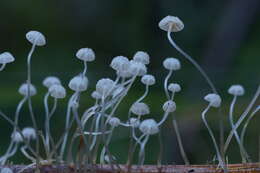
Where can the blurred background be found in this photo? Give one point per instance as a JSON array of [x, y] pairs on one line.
[[223, 36]]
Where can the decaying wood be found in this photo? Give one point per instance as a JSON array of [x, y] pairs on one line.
[[233, 168]]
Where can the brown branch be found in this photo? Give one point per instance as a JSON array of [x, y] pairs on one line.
[[233, 168]]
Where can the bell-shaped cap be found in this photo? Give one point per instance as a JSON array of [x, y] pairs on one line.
[[35, 37], [6, 58]]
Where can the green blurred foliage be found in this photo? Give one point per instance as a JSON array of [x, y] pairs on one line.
[[119, 27]]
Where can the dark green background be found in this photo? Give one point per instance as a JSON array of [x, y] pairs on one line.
[[122, 27]]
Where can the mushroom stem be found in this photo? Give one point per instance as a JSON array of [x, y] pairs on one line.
[[141, 156], [2, 67], [243, 153], [251, 116], [67, 128], [183, 154], [30, 101], [242, 117], [221, 162], [166, 84], [191, 60], [85, 68]]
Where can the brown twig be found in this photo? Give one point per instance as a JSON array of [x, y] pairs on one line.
[[233, 168]]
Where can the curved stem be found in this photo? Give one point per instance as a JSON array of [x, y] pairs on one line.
[[242, 117], [141, 156], [246, 124], [166, 114], [183, 154], [144, 95], [2, 67], [47, 122], [191, 60], [30, 101], [231, 121], [65, 137], [23, 150], [166, 84], [85, 68], [221, 162]]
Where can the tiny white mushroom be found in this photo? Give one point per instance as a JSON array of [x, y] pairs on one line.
[[120, 63], [29, 133], [140, 109], [17, 137], [236, 90], [35, 37], [169, 106], [142, 57], [51, 80], [79, 83], [137, 68], [23, 90], [149, 127], [174, 87], [134, 122], [114, 122], [86, 54], [57, 91], [213, 99], [148, 79], [96, 95], [105, 86], [172, 64], [6, 57], [171, 23]]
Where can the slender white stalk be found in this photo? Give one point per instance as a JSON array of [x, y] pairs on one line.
[[47, 121], [251, 116], [144, 95], [10, 154], [191, 60], [231, 121], [65, 137], [242, 117], [221, 162], [166, 84], [85, 68], [30, 100], [183, 154], [166, 114], [28, 156], [141, 156], [2, 67]]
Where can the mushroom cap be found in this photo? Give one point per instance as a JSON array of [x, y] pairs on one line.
[[6, 57], [79, 83], [119, 63], [137, 68], [172, 22], [213, 99], [105, 87], [169, 106], [96, 95], [142, 57], [17, 137], [174, 87], [23, 90], [86, 54], [148, 79], [135, 122], [172, 64], [140, 108], [149, 127], [236, 90], [35, 37], [114, 122], [57, 91], [51, 80], [29, 133]]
